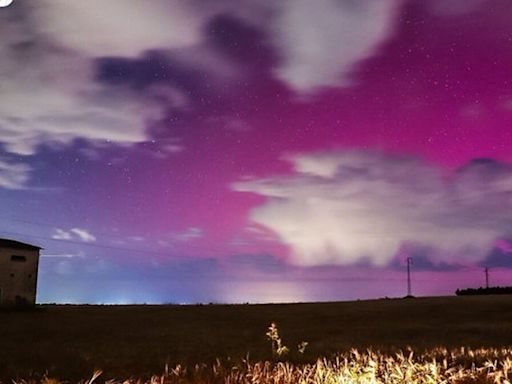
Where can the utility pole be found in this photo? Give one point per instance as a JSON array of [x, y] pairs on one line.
[[409, 262], [486, 277]]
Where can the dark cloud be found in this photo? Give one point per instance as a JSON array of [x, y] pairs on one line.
[[246, 44], [497, 258], [485, 168], [423, 260], [153, 67]]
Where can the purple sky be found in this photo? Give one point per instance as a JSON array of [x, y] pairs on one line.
[[255, 151]]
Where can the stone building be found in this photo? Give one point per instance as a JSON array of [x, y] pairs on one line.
[[18, 272]]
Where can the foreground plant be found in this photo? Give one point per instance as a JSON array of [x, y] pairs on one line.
[[440, 365], [278, 348]]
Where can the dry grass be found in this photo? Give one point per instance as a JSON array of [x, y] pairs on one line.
[[71, 342], [458, 366]]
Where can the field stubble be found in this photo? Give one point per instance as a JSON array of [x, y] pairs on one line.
[[70, 342]]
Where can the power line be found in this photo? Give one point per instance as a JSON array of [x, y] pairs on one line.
[[95, 245], [109, 234], [52, 226], [409, 290], [133, 250], [190, 245]]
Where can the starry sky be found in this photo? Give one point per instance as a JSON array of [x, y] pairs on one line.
[[256, 151]]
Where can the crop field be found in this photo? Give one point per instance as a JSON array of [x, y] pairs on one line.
[[427, 340]]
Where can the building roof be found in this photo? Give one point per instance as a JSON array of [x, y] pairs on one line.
[[7, 243]]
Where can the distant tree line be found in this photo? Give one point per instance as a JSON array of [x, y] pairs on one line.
[[484, 291]]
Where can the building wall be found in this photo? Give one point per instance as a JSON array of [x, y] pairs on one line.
[[18, 278]]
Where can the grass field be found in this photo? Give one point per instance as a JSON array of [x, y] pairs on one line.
[[70, 342]]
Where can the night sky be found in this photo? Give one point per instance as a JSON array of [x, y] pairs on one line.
[[257, 151]]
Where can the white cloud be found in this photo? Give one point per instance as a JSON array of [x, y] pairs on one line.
[[48, 52], [63, 256], [321, 41], [61, 234], [136, 238], [190, 233], [74, 234], [349, 207], [83, 234], [118, 27], [48, 73], [13, 175]]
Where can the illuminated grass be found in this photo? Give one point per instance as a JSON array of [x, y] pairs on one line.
[[439, 365], [69, 343]]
